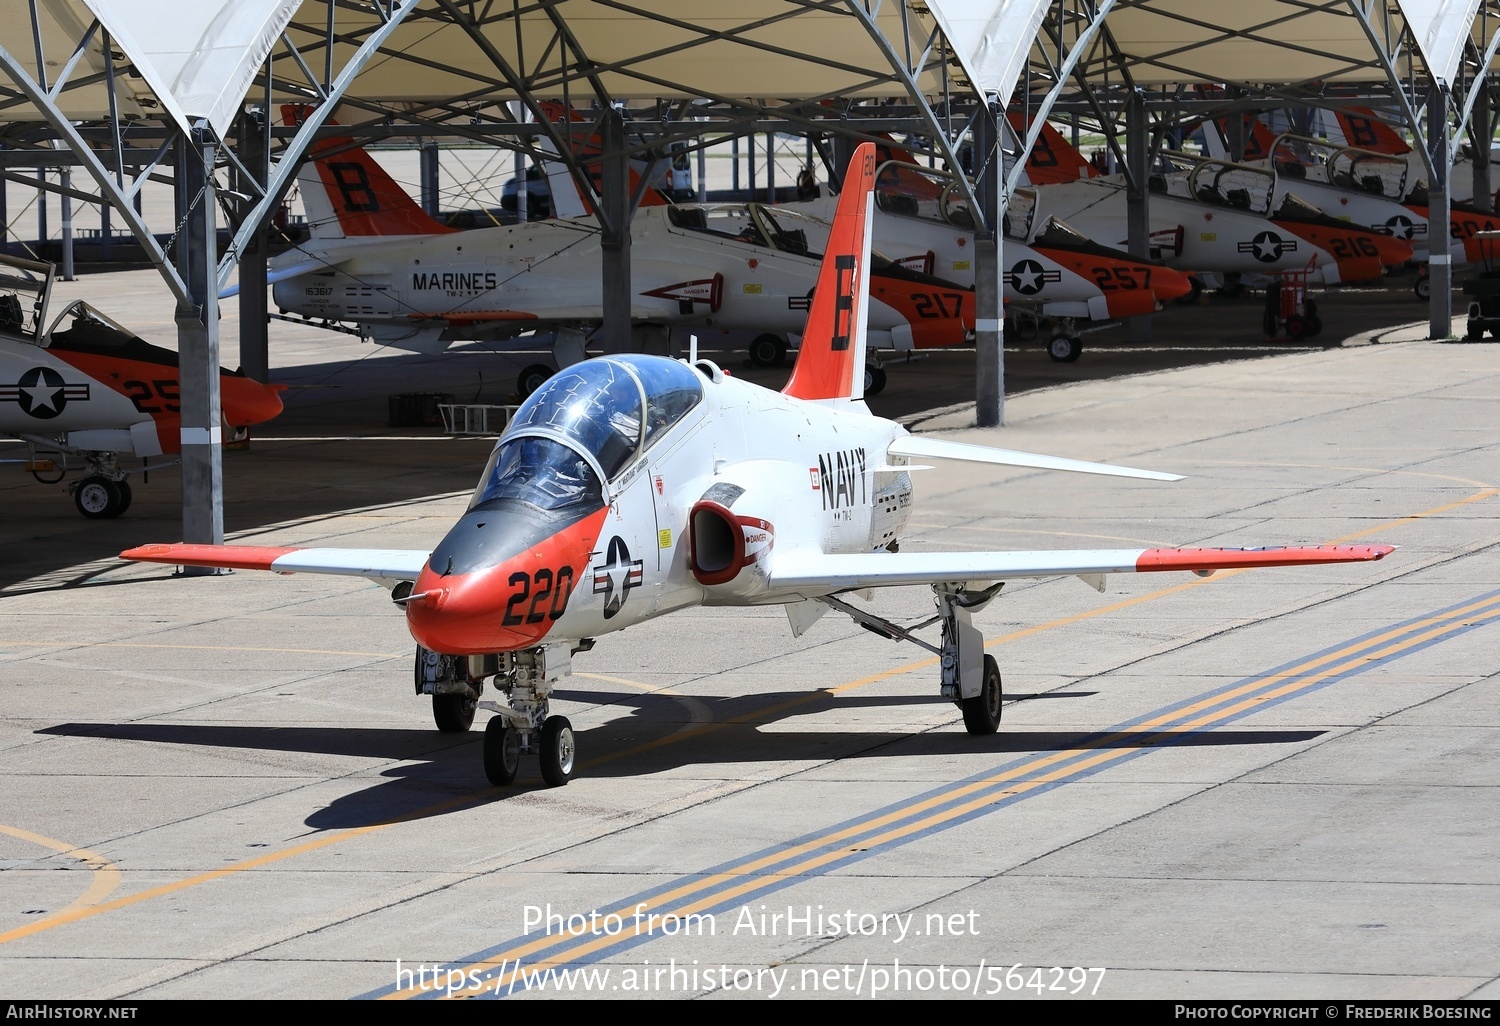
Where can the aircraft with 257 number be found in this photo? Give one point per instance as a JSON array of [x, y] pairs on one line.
[[628, 487], [80, 387]]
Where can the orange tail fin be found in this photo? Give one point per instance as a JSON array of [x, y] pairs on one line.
[[589, 150], [348, 194], [1364, 130], [1053, 160], [831, 363]]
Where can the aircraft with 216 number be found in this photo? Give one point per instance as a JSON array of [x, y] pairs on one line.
[[628, 487]]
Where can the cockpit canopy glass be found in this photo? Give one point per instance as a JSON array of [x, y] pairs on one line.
[[595, 405], [80, 324], [539, 471], [751, 223], [610, 408], [671, 387]]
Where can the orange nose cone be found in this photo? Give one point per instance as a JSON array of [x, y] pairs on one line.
[[248, 402], [451, 614], [1132, 303], [1169, 284], [1393, 251], [489, 610]]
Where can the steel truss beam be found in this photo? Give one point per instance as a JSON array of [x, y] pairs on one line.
[[113, 187]]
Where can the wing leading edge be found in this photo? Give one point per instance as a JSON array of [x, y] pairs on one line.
[[386, 564], [943, 449], [825, 573]]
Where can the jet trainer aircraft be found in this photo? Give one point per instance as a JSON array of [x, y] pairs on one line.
[[377, 259], [922, 221], [84, 387], [1225, 218], [628, 487]]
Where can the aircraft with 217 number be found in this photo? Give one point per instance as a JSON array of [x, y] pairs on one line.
[[627, 487], [378, 260]]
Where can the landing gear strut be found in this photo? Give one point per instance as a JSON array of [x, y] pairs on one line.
[[971, 678], [525, 724], [455, 686]]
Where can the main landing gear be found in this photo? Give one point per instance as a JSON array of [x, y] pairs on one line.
[[1066, 342], [102, 493], [970, 676], [523, 726]]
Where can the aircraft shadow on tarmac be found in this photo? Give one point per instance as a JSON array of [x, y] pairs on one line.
[[440, 772]]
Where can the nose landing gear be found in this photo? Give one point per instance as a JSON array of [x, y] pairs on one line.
[[526, 724]]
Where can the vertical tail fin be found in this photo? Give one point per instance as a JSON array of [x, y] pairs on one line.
[[831, 364], [347, 194], [1362, 129], [1053, 160], [567, 199]]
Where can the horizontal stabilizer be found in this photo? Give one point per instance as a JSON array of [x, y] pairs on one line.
[[389, 564], [820, 574], [278, 274], [942, 449]]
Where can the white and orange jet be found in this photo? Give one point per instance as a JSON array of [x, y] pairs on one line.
[[80, 387], [628, 487], [378, 260], [1211, 217], [922, 221]]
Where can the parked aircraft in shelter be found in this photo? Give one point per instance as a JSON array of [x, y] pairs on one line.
[[1366, 130], [629, 487], [1381, 189], [1216, 217], [378, 260], [922, 220], [79, 386]]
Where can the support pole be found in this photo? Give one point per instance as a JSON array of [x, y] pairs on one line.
[[255, 342], [198, 352], [1138, 193], [702, 173], [1479, 132], [431, 195], [1440, 266], [771, 167], [41, 212], [989, 341], [65, 202], [615, 226]]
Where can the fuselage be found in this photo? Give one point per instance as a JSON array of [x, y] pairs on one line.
[[729, 267], [1068, 276], [585, 523], [1198, 236], [89, 384]]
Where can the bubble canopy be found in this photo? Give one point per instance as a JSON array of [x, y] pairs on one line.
[[606, 410]]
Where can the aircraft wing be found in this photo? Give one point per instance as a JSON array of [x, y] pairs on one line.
[[387, 564], [943, 449], [821, 574]]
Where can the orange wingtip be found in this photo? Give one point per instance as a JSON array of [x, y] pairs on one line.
[[240, 557], [1229, 559]]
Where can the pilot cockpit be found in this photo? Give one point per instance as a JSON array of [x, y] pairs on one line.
[[587, 423]]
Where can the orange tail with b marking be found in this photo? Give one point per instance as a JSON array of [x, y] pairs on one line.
[[831, 363], [347, 194]]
